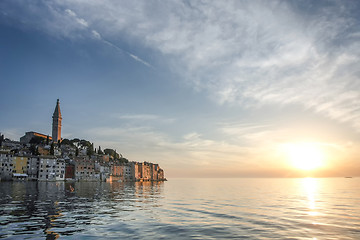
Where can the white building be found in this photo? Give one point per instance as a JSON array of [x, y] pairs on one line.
[[6, 165], [47, 168], [128, 175], [60, 170]]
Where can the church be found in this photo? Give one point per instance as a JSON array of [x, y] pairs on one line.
[[56, 128]]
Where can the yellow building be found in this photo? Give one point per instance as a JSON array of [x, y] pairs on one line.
[[19, 167]]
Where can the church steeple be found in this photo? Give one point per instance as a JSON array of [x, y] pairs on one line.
[[56, 126]]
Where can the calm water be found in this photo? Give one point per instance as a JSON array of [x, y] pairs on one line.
[[183, 209]]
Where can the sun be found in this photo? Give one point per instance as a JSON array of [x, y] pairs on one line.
[[305, 156]]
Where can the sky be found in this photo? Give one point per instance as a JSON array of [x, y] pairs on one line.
[[204, 88]]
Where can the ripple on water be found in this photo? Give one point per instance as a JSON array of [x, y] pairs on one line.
[[182, 209]]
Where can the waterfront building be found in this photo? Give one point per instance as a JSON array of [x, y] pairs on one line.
[[6, 165], [85, 169], [117, 173], [128, 175], [56, 126], [20, 167], [136, 174], [69, 169], [47, 168], [60, 169], [154, 172], [104, 170], [33, 167], [146, 171]]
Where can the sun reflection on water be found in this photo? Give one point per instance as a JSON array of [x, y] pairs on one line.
[[310, 186]]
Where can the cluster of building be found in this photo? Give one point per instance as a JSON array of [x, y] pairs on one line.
[[82, 168], [59, 162]]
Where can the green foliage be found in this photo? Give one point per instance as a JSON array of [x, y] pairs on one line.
[[84, 143], [33, 149], [123, 160], [67, 142], [37, 153], [90, 150], [112, 153], [52, 150], [99, 151], [77, 152]]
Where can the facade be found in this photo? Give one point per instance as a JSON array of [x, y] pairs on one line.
[[128, 176], [117, 173], [33, 167], [47, 168], [60, 169], [69, 169], [20, 168], [85, 170], [6, 165], [136, 173], [56, 126]]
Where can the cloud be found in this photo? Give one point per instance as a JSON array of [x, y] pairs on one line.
[[80, 21], [144, 118], [253, 54], [60, 20]]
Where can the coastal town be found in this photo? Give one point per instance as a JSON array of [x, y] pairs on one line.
[[40, 157]]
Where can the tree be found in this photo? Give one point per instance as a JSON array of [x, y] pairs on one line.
[[99, 150], [52, 149], [84, 143], [112, 153], [33, 149], [77, 152], [1, 139], [123, 160], [66, 141], [37, 153], [90, 150]]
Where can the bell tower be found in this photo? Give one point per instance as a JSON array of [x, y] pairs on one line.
[[56, 126]]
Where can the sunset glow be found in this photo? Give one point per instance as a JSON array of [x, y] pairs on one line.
[[305, 156], [204, 89]]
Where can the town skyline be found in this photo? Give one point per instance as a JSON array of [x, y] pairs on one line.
[[205, 89]]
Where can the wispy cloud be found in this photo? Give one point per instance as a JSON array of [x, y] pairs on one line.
[[60, 19], [98, 36], [144, 117], [250, 53]]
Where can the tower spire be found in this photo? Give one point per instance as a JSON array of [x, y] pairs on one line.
[[56, 126]]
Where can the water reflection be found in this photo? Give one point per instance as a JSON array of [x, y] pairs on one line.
[[310, 186], [52, 209]]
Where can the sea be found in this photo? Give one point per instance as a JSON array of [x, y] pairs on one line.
[[240, 208]]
